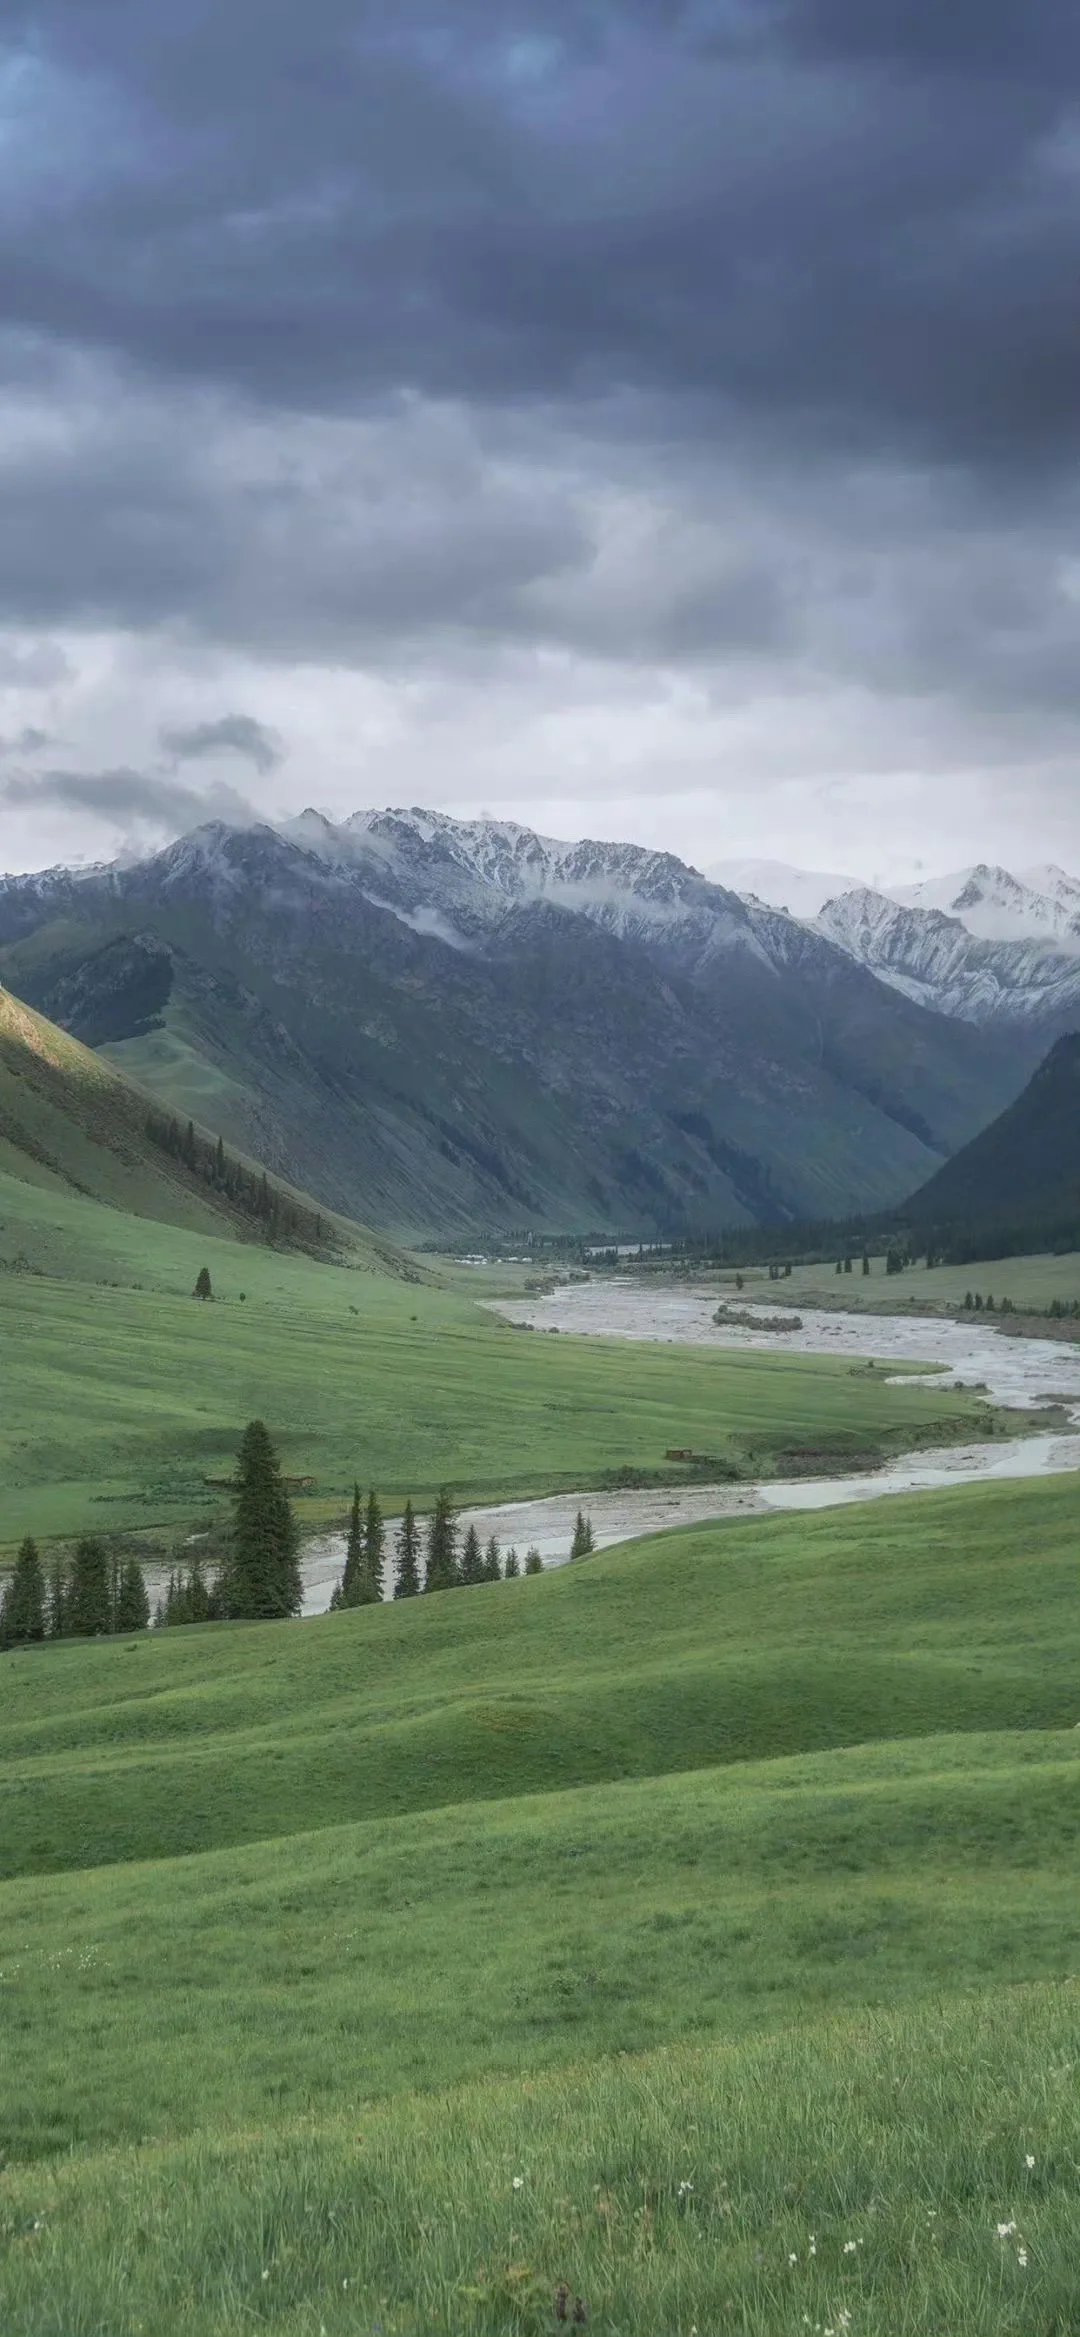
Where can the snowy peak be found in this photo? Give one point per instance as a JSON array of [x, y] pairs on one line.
[[799, 892], [936, 959], [1041, 905]]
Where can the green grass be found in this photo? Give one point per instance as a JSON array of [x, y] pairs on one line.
[[754, 1639], [744, 1857], [906, 2132], [1030, 1283], [128, 1394]]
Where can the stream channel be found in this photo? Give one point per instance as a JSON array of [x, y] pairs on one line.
[[1021, 1374]]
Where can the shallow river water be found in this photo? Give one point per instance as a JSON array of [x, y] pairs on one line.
[[1023, 1374]]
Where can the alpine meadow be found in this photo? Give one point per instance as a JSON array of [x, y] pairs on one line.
[[539, 1170]]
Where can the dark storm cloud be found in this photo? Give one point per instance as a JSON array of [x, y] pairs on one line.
[[235, 734], [125, 798], [850, 217]]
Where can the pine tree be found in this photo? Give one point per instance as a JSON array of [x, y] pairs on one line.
[[219, 1162], [350, 1590], [132, 1603], [265, 1569], [88, 1606], [407, 1581], [202, 1284], [56, 1606], [374, 1547], [472, 1561], [22, 1613], [492, 1568], [534, 1564], [512, 1568], [442, 1566], [582, 1544], [866, 1262]]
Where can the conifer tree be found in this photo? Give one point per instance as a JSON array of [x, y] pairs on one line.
[[219, 1162], [22, 1612], [534, 1564], [472, 1560], [582, 1544], [55, 1616], [374, 1547], [88, 1605], [407, 1582], [264, 1575], [350, 1588], [492, 1568], [132, 1603], [442, 1566], [202, 1284], [512, 1568]]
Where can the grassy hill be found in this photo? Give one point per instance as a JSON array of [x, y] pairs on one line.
[[70, 1123], [129, 1394], [697, 1927], [1025, 1168]]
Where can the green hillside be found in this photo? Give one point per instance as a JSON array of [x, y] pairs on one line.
[[1025, 1168], [70, 1123], [697, 1927]]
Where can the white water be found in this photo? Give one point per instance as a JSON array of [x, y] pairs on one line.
[[1023, 1374]]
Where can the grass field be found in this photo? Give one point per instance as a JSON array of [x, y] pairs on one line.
[[1030, 1283], [126, 1393], [720, 1894]]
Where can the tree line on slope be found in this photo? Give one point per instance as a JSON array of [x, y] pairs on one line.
[[259, 1577], [276, 1214]]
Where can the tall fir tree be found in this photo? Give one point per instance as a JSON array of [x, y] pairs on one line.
[[374, 1546], [407, 1580], [534, 1564], [88, 1605], [22, 1611], [349, 1592], [472, 1558], [265, 1568], [442, 1565], [492, 1568], [56, 1601], [512, 1568], [132, 1603], [203, 1288], [582, 1544]]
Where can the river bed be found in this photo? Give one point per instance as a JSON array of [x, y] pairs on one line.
[[1024, 1375]]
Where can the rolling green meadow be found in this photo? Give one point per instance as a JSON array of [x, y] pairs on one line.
[[685, 1943], [122, 1394], [698, 1927]]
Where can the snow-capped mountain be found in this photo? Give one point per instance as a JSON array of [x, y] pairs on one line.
[[437, 1022], [1041, 904], [938, 960], [799, 892]]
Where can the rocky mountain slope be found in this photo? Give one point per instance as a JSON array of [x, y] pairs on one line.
[[446, 1025], [1041, 904], [938, 960]]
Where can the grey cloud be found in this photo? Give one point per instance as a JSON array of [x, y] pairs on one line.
[[26, 742], [40, 666], [237, 734], [855, 218], [125, 796]]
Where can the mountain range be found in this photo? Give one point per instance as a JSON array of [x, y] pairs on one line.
[[443, 1026], [1024, 1169]]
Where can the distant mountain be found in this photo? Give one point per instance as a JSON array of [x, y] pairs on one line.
[[937, 960], [800, 892], [443, 1025], [1026, 1166], [1042, 904], [71, 1122]]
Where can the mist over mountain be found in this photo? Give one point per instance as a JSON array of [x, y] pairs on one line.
[[444, 1025]]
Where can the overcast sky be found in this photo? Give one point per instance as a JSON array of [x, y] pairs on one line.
[[656, 419]]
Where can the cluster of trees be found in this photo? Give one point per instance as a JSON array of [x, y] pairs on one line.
[[259, 1576], [440, 1559], [94, 1593], [278, 1216], [1060, 1310]]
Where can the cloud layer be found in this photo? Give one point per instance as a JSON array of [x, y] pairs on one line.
[[682, 399]]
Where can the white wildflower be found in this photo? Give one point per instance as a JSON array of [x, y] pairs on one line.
[[793, 2259], [1005, 2231], [850, 2246], [1021, 2258], [1029, 2162], [685, 2190], [519, 2182]]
